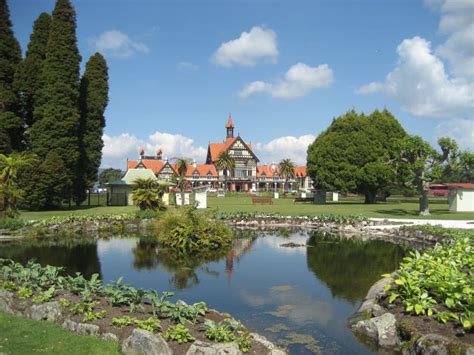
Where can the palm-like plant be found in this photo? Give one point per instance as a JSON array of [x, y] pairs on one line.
[[225, 162], [147, 194], [287, 170], [10, 192], [181, 168]]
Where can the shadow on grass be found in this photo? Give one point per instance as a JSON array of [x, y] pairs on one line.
[[398, 212]]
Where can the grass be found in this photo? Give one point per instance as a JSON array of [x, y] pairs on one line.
[[25, 336], [393, 208]]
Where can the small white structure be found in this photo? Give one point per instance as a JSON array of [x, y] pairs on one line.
[[200, 196], [461, 197], [178, 199]]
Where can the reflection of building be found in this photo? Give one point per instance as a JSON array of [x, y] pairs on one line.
[[245, 176], [240, 247]]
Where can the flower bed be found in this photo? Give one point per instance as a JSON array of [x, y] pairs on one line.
[[116, 311]]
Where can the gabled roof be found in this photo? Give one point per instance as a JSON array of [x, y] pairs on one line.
[[300, 171], [154, 164], [215, 149], [267, 170], [202, 169], [134, 174]]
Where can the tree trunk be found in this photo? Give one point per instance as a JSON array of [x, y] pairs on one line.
[[424, 205], [370, 197]]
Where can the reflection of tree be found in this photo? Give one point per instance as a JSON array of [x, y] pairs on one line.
[[182, 267], [350, 267], [74, 256]]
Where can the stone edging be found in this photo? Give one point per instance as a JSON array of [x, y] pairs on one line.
[[378, 324], [139, 342]]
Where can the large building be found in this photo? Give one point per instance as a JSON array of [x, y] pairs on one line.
[[247, 175]]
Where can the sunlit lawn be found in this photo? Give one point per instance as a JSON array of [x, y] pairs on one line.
[[394, 208]]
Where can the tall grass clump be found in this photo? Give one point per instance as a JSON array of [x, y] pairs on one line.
[[187, 231]]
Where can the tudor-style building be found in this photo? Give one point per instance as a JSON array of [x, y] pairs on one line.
[[245, 176]]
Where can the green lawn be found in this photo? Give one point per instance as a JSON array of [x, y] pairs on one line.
[[25, 336], [394, 208]]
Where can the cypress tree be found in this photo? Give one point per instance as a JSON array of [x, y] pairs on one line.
[[11, 124], [93, 101], [56, 111], [27, 76]]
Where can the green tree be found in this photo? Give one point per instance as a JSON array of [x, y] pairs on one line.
[[10, 191], [93, 101], [46, 186], [356, 154], [226, 163], [421, 164], [108, 175], [27, 77], [181, 165], [10, 55], [287, 170], [147, 194], [56, 125], [460, 170]]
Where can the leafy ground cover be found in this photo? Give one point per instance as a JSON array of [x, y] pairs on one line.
[[393, 208], [119, 308], [26, 336], [438, 283]]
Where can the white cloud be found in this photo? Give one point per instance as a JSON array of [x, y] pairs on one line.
[[118, 148], [420, 84], [117, 44], [299, 81], [461, 130], [259, 44], [290, 147], [186, 66]]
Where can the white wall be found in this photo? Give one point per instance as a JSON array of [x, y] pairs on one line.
[[461, 200]]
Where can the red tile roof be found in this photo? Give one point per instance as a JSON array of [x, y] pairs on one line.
[[217, 148], [266, 170], [229, 124], [203, 169], [154, 164], [300, 171]]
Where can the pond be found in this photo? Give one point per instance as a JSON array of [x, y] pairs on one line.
[[297, 297]]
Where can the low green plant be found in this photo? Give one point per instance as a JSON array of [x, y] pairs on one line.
[[83, 307], [124, 321], [218, 332], [8, 285], [179, 333], [151, 324], [91, 316], [11, 223], [148, 214], [45, 296], [187, 231], [245, 342], [183, 312], [64, 302], [160, 304], [24, 292]]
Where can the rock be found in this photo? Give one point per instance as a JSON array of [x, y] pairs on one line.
[[378, 287], [6, 301], [110, 337], [272, 349], [430, 344], [202, 348], [50, 311], [378, 310], [69, 325], [87, 329], [144, 342], [382, 328]]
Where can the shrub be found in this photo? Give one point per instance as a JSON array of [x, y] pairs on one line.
[[179, 333], [187, 231], [11, 223]]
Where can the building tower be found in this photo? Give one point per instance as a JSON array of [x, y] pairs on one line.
[[230, 127]]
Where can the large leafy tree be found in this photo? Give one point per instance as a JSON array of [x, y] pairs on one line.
[[356, 153], [226, 163], [56, 125], [421, 164], [92, 102], [27, 76], [461, 168], [108, 175], [11, 125], [287, 170], [46, 186], [10, 191]]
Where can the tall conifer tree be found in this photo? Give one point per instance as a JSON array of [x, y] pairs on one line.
[[11, 125], [27, 77], [93, 101], [56, 125]]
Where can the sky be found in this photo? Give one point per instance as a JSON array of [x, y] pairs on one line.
[[282, 69]]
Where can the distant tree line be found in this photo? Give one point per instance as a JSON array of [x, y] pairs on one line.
[[49, 111], [373, 155]]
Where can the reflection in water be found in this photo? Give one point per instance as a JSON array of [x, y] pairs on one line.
[[349, 267], [240, 247], [75, 256]]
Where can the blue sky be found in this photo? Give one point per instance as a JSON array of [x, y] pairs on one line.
[[283, 69]]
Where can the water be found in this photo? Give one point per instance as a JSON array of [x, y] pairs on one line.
[[298, 297]]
